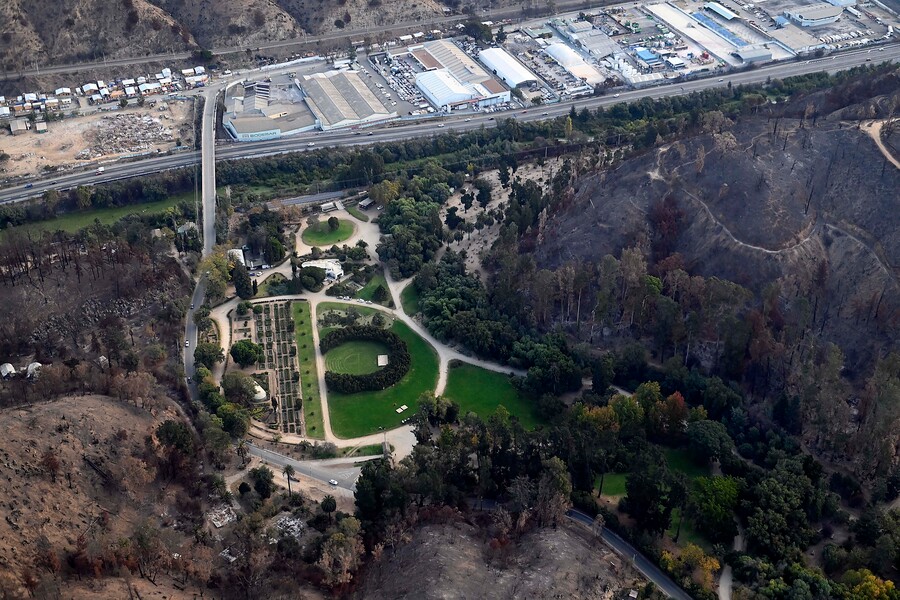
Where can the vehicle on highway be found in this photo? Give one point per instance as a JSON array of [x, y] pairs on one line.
[[616, 95], [469, 119], [440, 124], [544, 114], [524, 111], [28, 186], [187, 343], [311, 144], [721, 80], [491, 119], [332, 482], [100, 170], [370, 133]]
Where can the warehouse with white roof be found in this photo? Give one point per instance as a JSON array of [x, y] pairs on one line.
[[573, 63], [446, 92], [506, 67]]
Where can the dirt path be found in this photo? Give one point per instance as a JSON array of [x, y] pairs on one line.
[[874, 131]]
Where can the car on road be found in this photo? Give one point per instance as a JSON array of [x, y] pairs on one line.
[[440, 124], [192, 306], [491, 119], [524, 112], [469, 119], [332, 482], [187, 343], [721, 80], [311, 144], [544, 114], [370, 133], [28, 186]]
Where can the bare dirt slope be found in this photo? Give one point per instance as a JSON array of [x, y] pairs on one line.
[[745, 218], [41, 33], [453, 561], [109, 434]]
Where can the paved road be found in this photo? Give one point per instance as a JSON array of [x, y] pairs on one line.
[[640, 562], [398, 132], [208, 170], [342, 470], [190, 332], [306, 40]]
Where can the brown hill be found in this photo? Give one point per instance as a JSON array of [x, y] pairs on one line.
[[454, 561], [810, 206], [85, 30]]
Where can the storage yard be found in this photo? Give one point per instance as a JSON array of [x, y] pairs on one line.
[[91, 138]]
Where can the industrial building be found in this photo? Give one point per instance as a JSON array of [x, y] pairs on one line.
[[446, 92], [749, 54], [342, 99], [506, 67], [574, 64], [266, 110], [814, 15]]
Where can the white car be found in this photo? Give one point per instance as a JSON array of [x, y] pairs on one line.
[[187, 343], [332, 482], [440, 124]]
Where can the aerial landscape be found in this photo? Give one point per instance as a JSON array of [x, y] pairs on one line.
[[435, 300]]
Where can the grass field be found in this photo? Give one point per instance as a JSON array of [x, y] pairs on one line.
[[369, 289], [688, 535], [312, 404], [358, 214], [360, 414], [481, 391], [613, 484], [409, 299], [356, 357], [321, 234], [75, 221]]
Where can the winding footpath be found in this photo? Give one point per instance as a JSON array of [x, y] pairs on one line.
[[402, 438]]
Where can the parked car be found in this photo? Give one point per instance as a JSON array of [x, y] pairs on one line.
[[332, 482]]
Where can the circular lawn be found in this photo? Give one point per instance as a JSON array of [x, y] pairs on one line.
[[355, 357]]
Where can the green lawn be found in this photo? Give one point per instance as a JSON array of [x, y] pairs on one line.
[[370, 450], [369, 289], [481, 391], [309, 378], [75, 221], [613, 484], [354, 415], [679, 460], [688, 534], [409, 299], [356, 357], [356, 212], [321, 234]]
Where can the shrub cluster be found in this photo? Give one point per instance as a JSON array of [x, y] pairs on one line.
[[398, 359]]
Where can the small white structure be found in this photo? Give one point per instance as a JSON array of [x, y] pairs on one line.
[[382, 360], [237, 255], [7, 370], [259, 394], [33, 370], [332, 268]]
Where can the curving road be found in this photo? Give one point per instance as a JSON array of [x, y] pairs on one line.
[[410, 129], [638, 560]]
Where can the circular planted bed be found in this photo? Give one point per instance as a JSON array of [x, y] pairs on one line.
[[353, 355]]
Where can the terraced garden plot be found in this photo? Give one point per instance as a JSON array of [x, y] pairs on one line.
[[275, 332]]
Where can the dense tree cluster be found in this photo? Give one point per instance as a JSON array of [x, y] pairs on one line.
[[399, 359]]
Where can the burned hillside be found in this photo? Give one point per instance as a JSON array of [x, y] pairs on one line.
[[807, 203]]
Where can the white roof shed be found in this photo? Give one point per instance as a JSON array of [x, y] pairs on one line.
[[507, 68], [443, 89]]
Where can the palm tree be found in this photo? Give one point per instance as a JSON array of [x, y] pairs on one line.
[[288, 473], [242, 451]]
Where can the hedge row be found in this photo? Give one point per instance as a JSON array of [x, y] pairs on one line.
[[398, 359]]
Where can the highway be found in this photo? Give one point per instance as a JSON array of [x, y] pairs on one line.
[[420, 128]]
